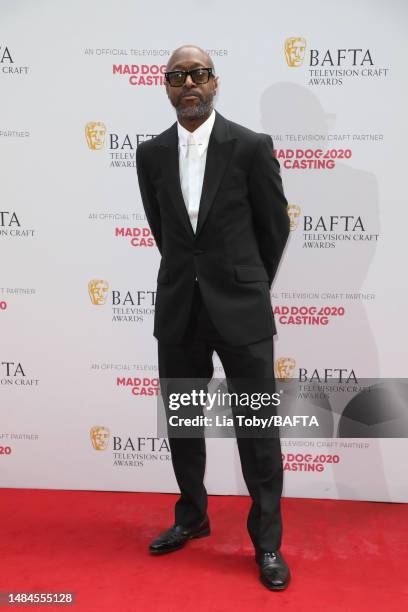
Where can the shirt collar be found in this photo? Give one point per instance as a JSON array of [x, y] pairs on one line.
[[200, 136]]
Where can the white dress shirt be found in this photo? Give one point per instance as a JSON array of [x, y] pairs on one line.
[[192, 157]]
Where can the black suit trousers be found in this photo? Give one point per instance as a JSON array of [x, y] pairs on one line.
[[261, 460]]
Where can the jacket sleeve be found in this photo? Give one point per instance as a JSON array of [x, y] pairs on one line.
[[150, 203], [269, 205]]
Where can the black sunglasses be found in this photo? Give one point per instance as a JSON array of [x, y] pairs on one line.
[[199, 76]]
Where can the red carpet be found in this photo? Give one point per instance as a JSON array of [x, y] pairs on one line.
[[343, 555]]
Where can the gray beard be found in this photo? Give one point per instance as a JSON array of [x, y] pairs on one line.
[[198, 111]]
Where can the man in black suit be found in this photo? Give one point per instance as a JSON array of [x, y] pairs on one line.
[[213, 197]]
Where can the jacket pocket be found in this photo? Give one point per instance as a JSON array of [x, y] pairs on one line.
[[248, 274]]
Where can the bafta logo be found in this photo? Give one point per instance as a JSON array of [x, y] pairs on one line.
[[95, 135], [285, 367], [99, 437], [98, 290], [295, 48], [293, 211]]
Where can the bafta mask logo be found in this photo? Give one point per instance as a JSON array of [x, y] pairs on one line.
[[295, 48], [293, 211], [99, 437], [95, 135], [98, 290], [285, 368]]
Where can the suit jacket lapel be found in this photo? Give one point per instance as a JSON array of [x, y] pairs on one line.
[[218, 155], [170, 164], [219, 152]]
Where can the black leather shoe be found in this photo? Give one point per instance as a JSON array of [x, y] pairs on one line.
[[274, 572], [177, 536]]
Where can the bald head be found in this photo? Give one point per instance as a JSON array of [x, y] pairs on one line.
[[189, 53], [192, 100]]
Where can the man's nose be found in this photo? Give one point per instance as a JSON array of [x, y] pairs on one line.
[[189, 81]]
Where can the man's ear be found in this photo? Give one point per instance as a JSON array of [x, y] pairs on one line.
[[216, 82]]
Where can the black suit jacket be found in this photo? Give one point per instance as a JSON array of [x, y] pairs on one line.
[[241, 232]]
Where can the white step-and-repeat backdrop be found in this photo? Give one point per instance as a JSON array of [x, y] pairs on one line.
[[81, 86]]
